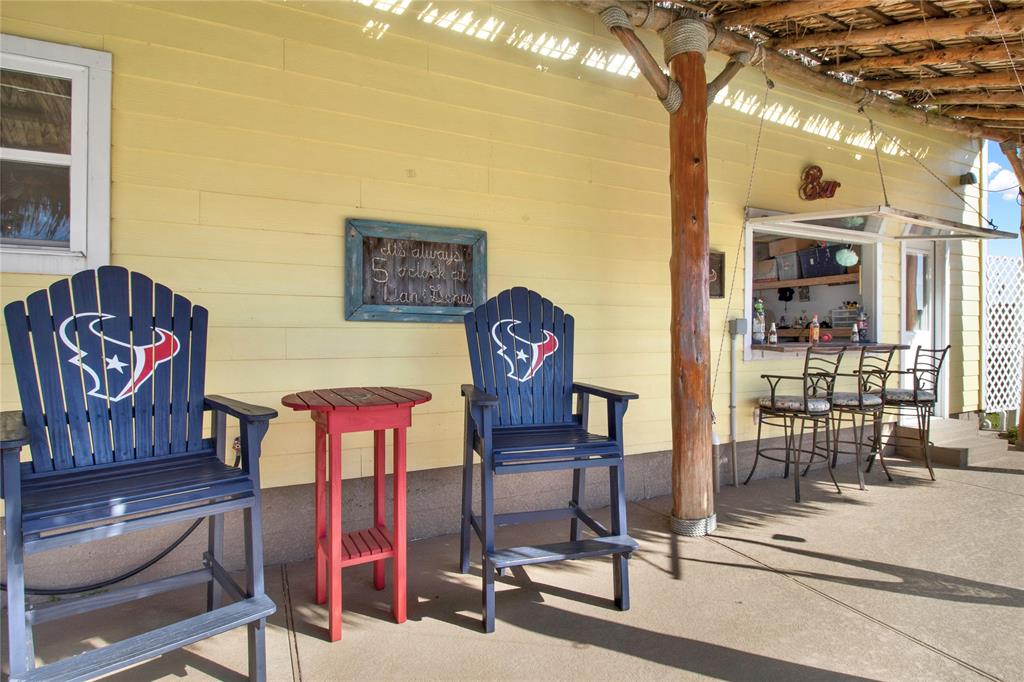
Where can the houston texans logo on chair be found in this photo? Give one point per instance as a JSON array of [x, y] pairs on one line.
[[527, 356], [125, 366]]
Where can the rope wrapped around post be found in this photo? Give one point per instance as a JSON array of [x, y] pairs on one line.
[[616, 17], [667, 90], [685, 35], [674, 99]]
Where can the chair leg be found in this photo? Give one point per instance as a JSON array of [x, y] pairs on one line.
[[467, 496], [879, 446], [828, 445], [19, 632], [254, 577], [876, 440], [215, 547], [620, 562], [814, 444], [858, 435], [757, 452], [789, 433], [924, 420], [838, 426], [578, 486], [795, 454], [487, 541]]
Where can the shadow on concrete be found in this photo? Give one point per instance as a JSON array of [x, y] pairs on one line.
[[175, 664], [996, 470], [901, 579], [749, 507], [682, 653]]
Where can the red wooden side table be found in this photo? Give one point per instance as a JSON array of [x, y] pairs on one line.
[[344, 410]]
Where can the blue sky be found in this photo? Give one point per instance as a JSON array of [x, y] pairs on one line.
[[1003, 208]]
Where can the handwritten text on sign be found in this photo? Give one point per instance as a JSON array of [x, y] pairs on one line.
[[417, 273]]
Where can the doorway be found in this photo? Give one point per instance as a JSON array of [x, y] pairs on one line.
[[923, 308]]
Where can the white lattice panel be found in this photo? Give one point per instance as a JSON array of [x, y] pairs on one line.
[[1003, 339]]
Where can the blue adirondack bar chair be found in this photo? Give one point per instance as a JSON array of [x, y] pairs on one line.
[[519, 419], [110, 370]]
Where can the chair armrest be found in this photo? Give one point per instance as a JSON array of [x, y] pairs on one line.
[[782, 376], [600, 392], [242, 411], [13, 432], [478, 398]]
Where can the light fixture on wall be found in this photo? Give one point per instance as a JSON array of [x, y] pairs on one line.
[[968, 178]]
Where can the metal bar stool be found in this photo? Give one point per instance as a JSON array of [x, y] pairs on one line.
[[920, 398], [866, 402], [813, 404]]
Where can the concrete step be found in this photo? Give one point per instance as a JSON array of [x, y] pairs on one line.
[[950, 428], [957, 450]]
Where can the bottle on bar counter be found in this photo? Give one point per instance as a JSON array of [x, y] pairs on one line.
[[773, 335], [815, 330], [854, 334]]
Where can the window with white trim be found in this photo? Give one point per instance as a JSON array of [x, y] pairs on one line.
[[54, 157]]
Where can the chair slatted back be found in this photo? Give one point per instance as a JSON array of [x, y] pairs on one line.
[[110, 368], [927, 367], [520, 348], [873, 368], [821, 363]]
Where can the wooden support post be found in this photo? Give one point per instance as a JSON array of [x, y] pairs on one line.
[[686, 97], [692, 486]]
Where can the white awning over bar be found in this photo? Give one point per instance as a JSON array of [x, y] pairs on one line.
[[881, 223]]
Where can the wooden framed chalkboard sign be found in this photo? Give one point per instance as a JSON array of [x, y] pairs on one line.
[[413, 273]]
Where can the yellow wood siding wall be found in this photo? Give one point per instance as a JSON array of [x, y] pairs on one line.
[[965, 326], [244, 135]]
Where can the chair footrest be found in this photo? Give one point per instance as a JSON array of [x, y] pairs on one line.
[[559, 551], [149, 645]]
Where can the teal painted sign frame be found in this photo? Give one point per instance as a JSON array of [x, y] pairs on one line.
[[357, 230]]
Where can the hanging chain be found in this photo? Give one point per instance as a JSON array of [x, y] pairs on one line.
[[878, 157], [768, 85], [928, 170]]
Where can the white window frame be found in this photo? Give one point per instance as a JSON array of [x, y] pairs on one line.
[[89, 161], [784, 229]]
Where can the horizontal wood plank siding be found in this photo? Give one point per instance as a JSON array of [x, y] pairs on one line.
[[243, 138]]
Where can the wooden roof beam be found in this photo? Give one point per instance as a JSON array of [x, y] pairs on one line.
[[952, 28], [784, 11], [990, 114], [949, 55], [1007, 125], [783, 67], [1002, 134], [1016, 98], [995, 79]]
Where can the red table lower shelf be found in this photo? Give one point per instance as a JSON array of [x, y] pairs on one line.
[[346, 410], [362, 546]]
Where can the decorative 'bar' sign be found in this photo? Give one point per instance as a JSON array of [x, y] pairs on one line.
[[413, 273]]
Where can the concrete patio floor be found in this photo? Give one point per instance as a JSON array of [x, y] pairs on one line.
[[908, 580]]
